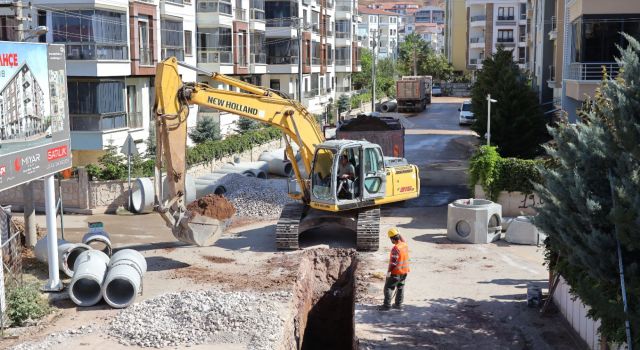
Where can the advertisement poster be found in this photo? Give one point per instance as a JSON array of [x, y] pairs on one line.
[[34, 118]]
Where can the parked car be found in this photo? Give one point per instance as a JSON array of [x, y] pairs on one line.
[[48, 132], [436, 90], [466, 115]]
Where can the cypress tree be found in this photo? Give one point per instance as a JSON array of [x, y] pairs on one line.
[[579, 214]]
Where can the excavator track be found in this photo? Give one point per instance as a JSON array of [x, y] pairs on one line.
[[287, 226], [368, 230]]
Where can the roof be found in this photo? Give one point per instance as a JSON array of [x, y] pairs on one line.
[[369, 11], [337, 144]]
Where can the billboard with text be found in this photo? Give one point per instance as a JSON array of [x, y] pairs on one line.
[[34, 118]]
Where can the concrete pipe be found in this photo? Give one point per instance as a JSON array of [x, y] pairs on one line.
[[250, 169], [98, 241], [203, 189], [90, 269], [389, 106], [142, 195], [189, 189], [67, 253], [124, 278], [276, 165]]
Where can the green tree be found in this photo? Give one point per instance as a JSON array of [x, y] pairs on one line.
[[343, 104], [206, 129], [244, 125], [385, 75], [151, 140], [579, 212], [517, 123], [437, 66], [413, 50], [362, 79]]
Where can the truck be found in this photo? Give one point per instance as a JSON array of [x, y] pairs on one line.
[[413, 93]]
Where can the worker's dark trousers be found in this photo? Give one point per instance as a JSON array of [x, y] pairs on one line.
[[393, 282]]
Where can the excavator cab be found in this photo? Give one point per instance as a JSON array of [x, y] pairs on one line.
[[347, 174]]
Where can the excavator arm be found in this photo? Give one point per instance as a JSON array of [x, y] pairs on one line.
[[173, 98]]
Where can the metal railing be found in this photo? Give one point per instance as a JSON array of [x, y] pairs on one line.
[[592, 70], [93, 51], [213, 56], [282, 59], [476, 40], [473, 61], [504, 40], [241, 14], [177, 52], [343, 62], [506, 18], [281, 22], [478, 18], [179, 2], [214, 6], [98, 122], [259, 58], [315, 60], [554, 23], [343, 35]]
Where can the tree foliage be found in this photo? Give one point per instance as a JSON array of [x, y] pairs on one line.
[[517, 123], [244, 125], [579, 214], [385, 75], [427, 61], [206, 129]]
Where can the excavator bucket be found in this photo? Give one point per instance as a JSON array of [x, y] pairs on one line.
[[198, 229]]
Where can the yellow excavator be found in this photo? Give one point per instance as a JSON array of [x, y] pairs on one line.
[[352, 200]]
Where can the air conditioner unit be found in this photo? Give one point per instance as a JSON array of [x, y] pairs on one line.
[[474, 221], [357, 19]]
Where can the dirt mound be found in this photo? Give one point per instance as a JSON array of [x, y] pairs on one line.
[[214, 206]]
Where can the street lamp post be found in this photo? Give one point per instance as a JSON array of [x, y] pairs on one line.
[[489, 102]]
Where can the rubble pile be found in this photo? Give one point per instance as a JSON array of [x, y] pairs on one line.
[[255, 197], [212, 205], [55, 339], [202, 317]]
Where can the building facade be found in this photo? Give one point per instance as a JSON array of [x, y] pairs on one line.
[[456, 35], [379, 28], [493, 23], [22, 107], [113, 47]]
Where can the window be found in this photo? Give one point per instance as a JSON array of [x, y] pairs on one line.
[[134, 108], [221, 6], [172, 39], [241, 47], [314, 84], [321, 179], [315, 52], [343, 29], [257, 9], [505, 35], [188, 45], [97, 105], [523, 11], [214, 45], [506, 13], [274, 84], [258, 48], [91, 34], [393, 20], [522, 30], [343, 56], [522, 56], [329, 54], [280, 13], [282, 52], [145, 53]]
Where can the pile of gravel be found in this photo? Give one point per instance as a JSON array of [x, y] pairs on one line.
[[255, 197], [198, 317], [55, 339]]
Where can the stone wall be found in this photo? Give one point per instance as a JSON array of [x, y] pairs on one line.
[[513, 203]]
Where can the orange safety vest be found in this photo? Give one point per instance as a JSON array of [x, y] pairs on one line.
[[402, 266]]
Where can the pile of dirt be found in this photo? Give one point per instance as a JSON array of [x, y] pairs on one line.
[[214, 206]]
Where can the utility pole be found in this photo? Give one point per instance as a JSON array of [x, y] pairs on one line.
[[376, 36], [489, 102], [300, 27]]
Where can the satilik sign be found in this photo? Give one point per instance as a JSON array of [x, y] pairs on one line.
[[34, 118]]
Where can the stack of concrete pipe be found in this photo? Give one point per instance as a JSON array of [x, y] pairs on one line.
[[251, 169], [143, 192], [210, 183], [67, 254], [389, 106], [118, 280]]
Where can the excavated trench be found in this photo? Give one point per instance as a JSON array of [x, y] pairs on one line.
[[324, 301]]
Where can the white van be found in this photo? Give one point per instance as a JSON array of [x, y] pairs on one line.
[[466, 115]]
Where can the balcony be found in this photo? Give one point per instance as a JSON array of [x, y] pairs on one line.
[[240, 14], [259, 58], [315, 28], [551, 82], [506, 18], [257, 15], [553, 33], [213, 56], [592, 70], [478, 21], [343, 35], [343, 62], [506, 42], [283, 59], [477, 42]]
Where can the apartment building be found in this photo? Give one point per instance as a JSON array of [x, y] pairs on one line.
[[493, 23], [330, 51], [585, 36], [429, 24], [405, 11], [456, 35], [20, 120], [379, 27]]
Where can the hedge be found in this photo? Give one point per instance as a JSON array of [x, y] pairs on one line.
[[496, 174], [210, 150]]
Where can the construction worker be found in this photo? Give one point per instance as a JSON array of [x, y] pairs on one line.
[[397, 272]]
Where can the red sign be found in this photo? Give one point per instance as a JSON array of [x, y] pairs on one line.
[[17, 164], [3, 170], [9, 59], [57, 153]]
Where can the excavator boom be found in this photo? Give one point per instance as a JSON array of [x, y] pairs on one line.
[[173, 98]]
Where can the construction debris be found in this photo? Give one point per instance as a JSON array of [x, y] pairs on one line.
[[202, 317], [214, 206], [55, 339]]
